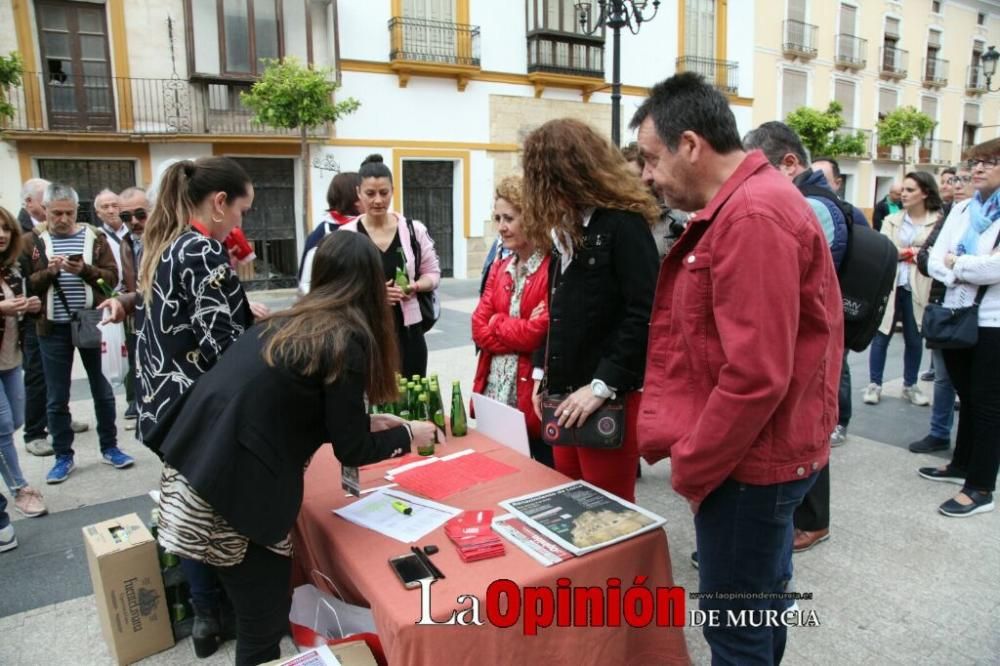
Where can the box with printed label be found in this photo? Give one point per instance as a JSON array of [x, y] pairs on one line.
[[128, 588]]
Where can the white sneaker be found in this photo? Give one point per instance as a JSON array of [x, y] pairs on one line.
[[8, 541], [839, 436], [915, 396], [40, 447], [872, 394]]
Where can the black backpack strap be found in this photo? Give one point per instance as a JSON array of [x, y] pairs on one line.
[[415, 246]]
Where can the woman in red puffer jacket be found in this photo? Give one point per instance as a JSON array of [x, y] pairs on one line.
[[512, 317]]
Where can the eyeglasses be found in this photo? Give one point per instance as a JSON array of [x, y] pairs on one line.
[[139, 214], [987, 164], [959, 180]]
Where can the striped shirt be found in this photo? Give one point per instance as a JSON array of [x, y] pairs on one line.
[[72, 285]]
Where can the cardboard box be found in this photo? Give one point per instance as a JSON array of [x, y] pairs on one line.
[[128, 588]]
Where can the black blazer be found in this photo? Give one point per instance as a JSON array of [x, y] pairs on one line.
[[27, 224], [242, 435], [599, 308]]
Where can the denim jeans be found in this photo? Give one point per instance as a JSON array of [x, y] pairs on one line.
[[744, 537], [913, 348], [943, 410], [844, 394], [11, 418], [57, 358], [36, 418]]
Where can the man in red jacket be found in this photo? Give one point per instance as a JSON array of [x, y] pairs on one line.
[[745, 348]]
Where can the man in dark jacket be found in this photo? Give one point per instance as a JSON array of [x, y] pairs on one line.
[[785, 151], [892, 203]]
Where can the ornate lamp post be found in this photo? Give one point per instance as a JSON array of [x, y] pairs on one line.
[[618, 14], [989, 64]]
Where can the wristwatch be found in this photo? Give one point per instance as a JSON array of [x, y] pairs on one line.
[[601, 390]]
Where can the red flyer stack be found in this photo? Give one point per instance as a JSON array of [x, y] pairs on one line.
[[473, 535]]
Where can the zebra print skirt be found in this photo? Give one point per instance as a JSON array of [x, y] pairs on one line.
[[190, 527]]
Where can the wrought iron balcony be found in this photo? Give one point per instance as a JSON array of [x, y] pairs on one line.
[[439, 42], [975, 80], [892, 63], [133, 106], [935, 72], [799, 39], [563, 53], [723, 74], [935, 151], [851, 52]]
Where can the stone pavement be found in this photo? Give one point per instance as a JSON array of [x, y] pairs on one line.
[[896, 583]]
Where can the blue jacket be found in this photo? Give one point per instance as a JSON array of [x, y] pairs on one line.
[[838, 243]]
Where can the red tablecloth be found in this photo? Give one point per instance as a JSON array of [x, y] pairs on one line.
[[356, 559]]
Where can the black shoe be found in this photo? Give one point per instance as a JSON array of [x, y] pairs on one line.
[[132, 412], [981, 503], [948, 475], [927, 376], [694, 559], [206, 634], [929, 444]]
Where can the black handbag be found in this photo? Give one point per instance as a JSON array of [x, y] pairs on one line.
[[604, 429], [83, 324], [430, 306], [953, 328]]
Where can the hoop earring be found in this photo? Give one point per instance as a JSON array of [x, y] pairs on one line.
[[216, 221]]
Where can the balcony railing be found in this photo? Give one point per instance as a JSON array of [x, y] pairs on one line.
[[800, 39], [975, 82], [441, 42], [886, 152], [853, 142], [562, 53], [723, 74], [935, 72], [851, 52], [935, 151], [133, 106], [893, 62]]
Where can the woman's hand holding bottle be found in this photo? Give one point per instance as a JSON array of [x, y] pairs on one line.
[[424, 434]]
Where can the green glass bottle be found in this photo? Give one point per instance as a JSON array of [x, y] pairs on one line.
[[402, 280], [425, 415], [105, 289], [459, 423], [437, 408]]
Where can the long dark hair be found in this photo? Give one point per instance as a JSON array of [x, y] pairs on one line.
[[184, 186], [342, 195], [346, 301], [9, 256], [928, 186]]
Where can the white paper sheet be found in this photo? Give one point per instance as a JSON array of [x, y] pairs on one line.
[[377, 513], [502, 423]]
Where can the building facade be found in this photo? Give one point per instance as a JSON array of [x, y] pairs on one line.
[[114, 91], [873, 56]]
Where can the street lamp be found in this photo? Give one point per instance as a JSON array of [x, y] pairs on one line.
[[618, 14], [989, 64]]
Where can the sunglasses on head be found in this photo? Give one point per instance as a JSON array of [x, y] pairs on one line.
[[139, 214]]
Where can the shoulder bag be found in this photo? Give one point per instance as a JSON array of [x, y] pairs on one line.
[[83, 324], [430, 306], [953, 328]]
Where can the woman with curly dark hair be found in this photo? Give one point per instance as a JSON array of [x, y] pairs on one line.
[[580, 196]]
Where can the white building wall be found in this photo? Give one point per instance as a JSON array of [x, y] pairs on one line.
[[740, 40], [502, 43], [364, 30], [149, 40]]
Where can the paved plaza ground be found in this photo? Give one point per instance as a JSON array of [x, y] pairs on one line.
[[897, 583]]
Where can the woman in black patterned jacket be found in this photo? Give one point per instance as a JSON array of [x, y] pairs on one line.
[[193, 307]]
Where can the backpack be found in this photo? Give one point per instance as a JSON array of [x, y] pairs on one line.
[[867, 274], [430, 305]]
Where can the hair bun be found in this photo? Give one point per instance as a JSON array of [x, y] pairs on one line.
[[374, 158]]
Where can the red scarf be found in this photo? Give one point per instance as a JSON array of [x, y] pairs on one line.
[[200, 228]]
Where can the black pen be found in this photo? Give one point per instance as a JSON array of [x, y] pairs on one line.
[[427, 562]]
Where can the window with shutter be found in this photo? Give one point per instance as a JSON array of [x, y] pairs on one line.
[[892, 28], [971, 116], [797, 10], [794, 86], [233, 38], [886, 101], [699, 29], [844, 92]]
